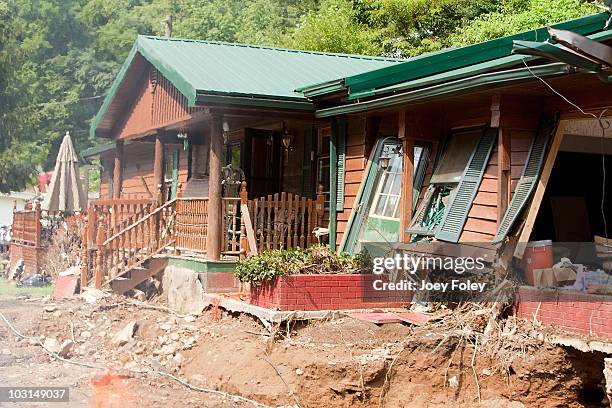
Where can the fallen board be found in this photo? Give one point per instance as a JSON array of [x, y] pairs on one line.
[[416, 318], [376, 318]]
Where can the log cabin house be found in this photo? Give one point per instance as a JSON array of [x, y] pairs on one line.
[[473, 147]]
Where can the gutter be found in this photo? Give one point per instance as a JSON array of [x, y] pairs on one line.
[[322, 88], [450, 59], [503, 62], [482, 81], [254, 101]]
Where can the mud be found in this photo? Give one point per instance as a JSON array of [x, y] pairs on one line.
[[336, 363]]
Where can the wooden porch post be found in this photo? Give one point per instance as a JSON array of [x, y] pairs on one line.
[[503, 159], [118, 172], [407, 177], [213, 240], [158, 168]]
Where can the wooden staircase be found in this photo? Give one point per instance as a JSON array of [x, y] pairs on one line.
[[139, 274], [133, 254]]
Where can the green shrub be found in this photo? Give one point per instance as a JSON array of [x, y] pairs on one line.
[[315, 260]]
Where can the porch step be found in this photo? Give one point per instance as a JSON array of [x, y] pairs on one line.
[[139, 274]]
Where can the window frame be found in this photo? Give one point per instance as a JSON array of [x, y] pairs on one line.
[[430, 193], [366, 189]]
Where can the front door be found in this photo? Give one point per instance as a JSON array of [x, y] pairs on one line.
[[262, 162]]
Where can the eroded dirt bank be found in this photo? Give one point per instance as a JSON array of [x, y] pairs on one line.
[[336, 363]]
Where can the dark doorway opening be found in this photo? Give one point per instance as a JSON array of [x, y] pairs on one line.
[[262, 162], [571, 209]]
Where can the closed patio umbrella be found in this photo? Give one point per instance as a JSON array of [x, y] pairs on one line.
[[65, 192]]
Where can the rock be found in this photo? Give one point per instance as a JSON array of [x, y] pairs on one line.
[[65, 348], [178, 359], [165, 326], [190, 319], [91, 295], [52, 345], [102, 334], [6, 352], [126, 334], [85, 334], [50, 308], [168, 349], [175, 336], [139, 295], [299, 371], [32, 341], [57, 313]]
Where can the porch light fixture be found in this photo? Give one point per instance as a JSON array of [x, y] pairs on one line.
[[384, 162], [182, 136], [288, 140]]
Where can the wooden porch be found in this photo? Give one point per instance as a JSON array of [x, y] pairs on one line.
[[124, 234]]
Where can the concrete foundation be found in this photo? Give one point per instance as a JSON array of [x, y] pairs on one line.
[[186, 280]]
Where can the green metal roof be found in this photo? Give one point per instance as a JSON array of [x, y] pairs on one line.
[[500, 72], [205, 71], [428, 66]]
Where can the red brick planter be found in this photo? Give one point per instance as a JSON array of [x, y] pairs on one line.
[[325, 292], [573, 311]]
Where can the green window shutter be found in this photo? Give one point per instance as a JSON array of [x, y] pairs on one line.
[[451, 226], [529, 178], [341, 152], [308, 187]]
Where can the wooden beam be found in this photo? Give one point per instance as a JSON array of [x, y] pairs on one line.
[[215, 222], [118, 169], [158, 167], [536, 201], [504, 169], [407, 177], [495, 111]]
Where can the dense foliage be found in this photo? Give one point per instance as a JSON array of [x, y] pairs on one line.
[[317, 259], [59, 57]]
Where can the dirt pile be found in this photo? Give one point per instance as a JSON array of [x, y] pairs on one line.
[[336, 363]]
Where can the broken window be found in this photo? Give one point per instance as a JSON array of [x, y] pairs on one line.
[[456, 154]]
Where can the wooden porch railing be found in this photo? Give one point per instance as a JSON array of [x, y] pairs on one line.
[[115, 247], [114, 256], [285, 220], [115, 214], [191, 226]]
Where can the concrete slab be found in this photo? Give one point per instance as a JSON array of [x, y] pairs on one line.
[[233, 304]]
